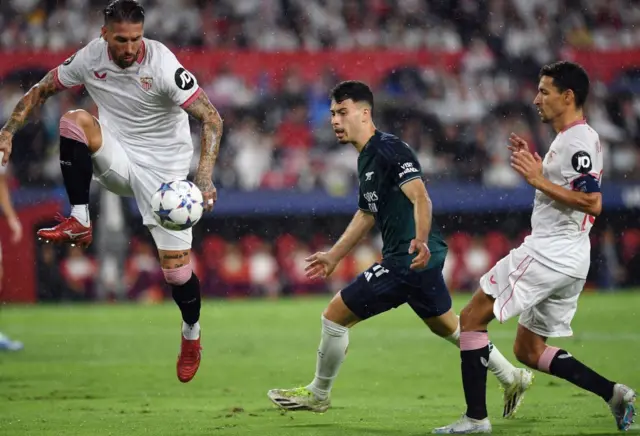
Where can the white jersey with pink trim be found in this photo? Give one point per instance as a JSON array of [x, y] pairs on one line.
[[140, 105], [560, 235]]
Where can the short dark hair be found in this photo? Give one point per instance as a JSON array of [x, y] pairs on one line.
[[354, 90], [568, 75], [120, 11]]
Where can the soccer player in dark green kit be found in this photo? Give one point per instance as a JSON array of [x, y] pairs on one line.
[[392, 195]]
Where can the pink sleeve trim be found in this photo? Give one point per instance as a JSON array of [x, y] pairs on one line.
[[59, 84], [191, 99]]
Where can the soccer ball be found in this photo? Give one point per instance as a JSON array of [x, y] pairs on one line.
[[177, 205]]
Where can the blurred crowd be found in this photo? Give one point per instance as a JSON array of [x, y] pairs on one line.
[[517, 27], [277, 133], [252, 266]]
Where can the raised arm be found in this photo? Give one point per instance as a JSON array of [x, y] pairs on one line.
[[210, 136], [36, 96]]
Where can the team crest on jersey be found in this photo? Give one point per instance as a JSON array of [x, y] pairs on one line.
[[146, 82]]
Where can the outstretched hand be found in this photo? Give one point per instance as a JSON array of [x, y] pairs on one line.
[[320, 265], [528, 165], [517, 143]]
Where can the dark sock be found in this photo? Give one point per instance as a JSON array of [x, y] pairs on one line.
[[76, 166], [474, 355], [565, 366], [187, 297]]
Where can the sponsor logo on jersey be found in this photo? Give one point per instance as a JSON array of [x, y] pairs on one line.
[[407, 168], [581, 162], [99, 76], [368, 176], [184, 79], [146, 82], [371, 198]]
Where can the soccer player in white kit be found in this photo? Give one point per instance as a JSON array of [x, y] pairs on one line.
[[7, 344], [542, 279], [141, 140]]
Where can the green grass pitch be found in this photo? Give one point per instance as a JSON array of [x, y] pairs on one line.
[[110, 370]]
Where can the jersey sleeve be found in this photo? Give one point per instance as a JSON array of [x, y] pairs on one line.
[[401, 161], [178, 83], [362, 202], [72, 71], [579, 160]]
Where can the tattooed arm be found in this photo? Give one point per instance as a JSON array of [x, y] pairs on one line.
[[35, 97], [210, 137]]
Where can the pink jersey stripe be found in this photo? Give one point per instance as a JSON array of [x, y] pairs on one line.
[[192, 98], [575, 123], [513, 289], [56, 79]]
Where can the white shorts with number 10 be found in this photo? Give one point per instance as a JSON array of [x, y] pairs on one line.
[[545, 299]]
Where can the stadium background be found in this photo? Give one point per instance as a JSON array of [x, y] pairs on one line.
[[452, 78]]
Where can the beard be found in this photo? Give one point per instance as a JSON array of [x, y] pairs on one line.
[[121, 61]]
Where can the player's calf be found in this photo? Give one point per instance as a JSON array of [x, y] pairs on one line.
[[474, 352], [529, 347], [620, 398], [185, 289], [562, 364]]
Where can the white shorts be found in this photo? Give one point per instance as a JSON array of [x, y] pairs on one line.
[[545, 299], [113, 169]]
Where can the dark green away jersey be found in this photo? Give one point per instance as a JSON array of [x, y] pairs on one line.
[[384, 165]]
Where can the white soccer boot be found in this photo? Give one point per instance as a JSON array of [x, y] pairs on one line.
[[514, 392], [465, 425], [622, 406], [298, 399]]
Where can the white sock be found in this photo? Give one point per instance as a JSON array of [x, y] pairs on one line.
[[81, 213], [498, 364], [454, 337], [191, 332], [331, 353]]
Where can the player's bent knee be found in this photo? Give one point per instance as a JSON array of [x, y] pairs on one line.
[[477, 313], [444, 325], [80, 126], [526, 354], [338, 312], [178, 276], [468, 323]]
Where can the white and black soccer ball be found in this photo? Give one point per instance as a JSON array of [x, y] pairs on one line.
[[177, 205]]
